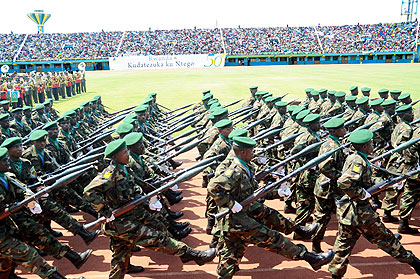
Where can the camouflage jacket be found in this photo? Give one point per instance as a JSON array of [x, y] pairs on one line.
[[349, 113], [220, 146], [372, 117], [315, 107], [355, 177], [43, 163], [326, 184], [39, 119], [357, 114], [24, 171], [278, 120], [325, 107], [249, 102], [112, 189], [336, 109], [68, 140], [235, 184], [8, 133], [207, 143], [20, 127], [383, 136], [29, 122], [58, 150]]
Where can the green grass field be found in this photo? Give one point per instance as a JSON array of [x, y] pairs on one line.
[[179, 87]]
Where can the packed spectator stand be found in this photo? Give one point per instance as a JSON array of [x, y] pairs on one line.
[[271, 40]]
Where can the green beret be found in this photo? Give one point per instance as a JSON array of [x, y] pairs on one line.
[[3, 116], [309, 90], [383, 91], [404, 96], [291, 108], [141, 109], [389, 103], [244, 142], [212, 101], [39, 106], [275, 99], [70, 113], [322, 90], [206, 92], [97, 97], [297, 110], [260, 93], [334, 123], [10, 142], [376, 102], [124, 128], [114, 147], [25, 108], [3, 152], [361, 136], [312, 117], [4, 103], [16, 110], [404, 109], [133, 138], [365, 89], [92, 101], [331, 92], [395, 92], [224, 123], [351, 98], [238, 133], [362, 100], [340, 94], [269, 99], [131, 121], [314, 93], [211, 116], [302, 114], [148, 100], [353, 88], [220, 111], [38, 134], [64, 119], [280, 104], [266, 96], [47, 102], [207, 97], [215, 106], [253, 87], [84, 104], [153, 94], [50, 125]]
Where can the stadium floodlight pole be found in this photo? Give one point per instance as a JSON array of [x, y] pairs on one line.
[[319, 41]]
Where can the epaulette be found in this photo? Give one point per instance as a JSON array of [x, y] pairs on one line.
[[108, 172]]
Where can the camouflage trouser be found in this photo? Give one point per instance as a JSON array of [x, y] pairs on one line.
[[292, 186], [324, 208], [53, 211], [390, 200], [66, 195], [36, 235], [122, 245], [410, 198], [14, 251], [211, 207], [304, 206], [273, 219], [376, 233], [236, 243]]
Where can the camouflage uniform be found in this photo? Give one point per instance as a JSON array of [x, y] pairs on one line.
[[372, 117], [358, 218], [305, 180], [357, 114], [256, 224], [349, 113], [326, 190], [249, 102], [315, 107], [325, 107], [29, 122], [207, 143], [402, 162], [336, 109], [39, 119], [67, 139], [112, 189], [7, 133], [20, 127]]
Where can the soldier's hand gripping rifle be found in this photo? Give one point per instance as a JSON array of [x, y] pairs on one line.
[[130, 206], [59, 183], [261, 192], [380, 186]]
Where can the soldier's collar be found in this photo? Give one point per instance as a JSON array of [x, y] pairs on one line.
[[363, 111], [364, 156], [406, 122], [335, 139]]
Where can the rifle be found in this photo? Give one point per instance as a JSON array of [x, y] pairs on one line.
[[328, 118], [130, 206], [289, 138], [182, 150], [415, 122], [238, 110], [108, 123], [273, 132], [83, 160], [261, 192], [97, 139], [246, 116], [260, 133], [261, 174], [186, 106], [59, 183], [187, 140], [185, 134], [64, 172], [233, 103], [351, 122], [176, 115], [396, 149], [255, 123], [121, 110], [178, 128], [242, 113], [281, 97], [162, 106], [366, 126], [380, 186]]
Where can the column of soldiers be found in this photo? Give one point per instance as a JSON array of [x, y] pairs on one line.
[[36, 87], [320, 154]]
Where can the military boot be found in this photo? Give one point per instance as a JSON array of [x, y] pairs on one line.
[[316, 247], [199, 256], [388, 218], [179, 234], [88, 237], [416, 265], [47, 225], [318, 260], [78, 259], [134, 269], [405, 228], [178, 225], [174, 164], [305, 232], [288, 208], [210, 225], [174, 214], [172, 199]]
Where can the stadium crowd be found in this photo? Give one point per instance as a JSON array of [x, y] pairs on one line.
[[279, 40]]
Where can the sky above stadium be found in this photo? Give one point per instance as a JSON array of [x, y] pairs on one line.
[[94, 15]]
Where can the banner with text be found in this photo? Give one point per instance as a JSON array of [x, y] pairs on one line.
[[167, 61]]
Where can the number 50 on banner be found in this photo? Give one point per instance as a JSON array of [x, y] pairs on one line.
[[215, 60]]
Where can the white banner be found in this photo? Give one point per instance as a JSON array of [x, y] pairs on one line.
[[167, 61]]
